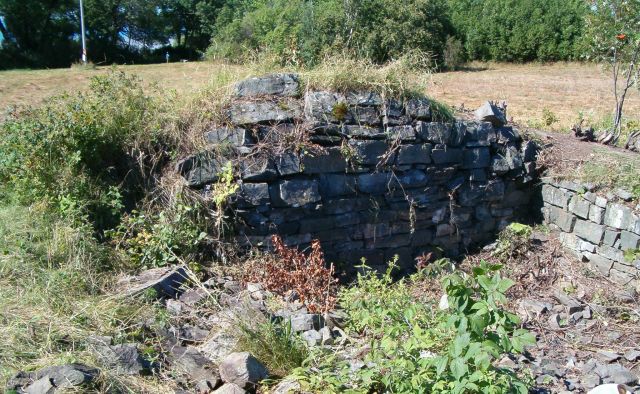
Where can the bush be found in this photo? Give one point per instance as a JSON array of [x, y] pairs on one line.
[[89, 154], [417, 348], [454, 56]]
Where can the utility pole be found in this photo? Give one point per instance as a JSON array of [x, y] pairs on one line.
[[84, 43]]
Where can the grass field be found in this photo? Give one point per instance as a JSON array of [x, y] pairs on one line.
[[535, 93]]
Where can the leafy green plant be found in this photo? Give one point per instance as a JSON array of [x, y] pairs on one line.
[[161, 238], [630, 255], [416, 348], [512, 241], [548, 117]]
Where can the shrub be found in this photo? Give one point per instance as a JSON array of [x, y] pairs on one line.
[[454, 56], [417, 348], [88, 154], [291, 270]]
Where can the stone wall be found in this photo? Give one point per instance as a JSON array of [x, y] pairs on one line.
[[597, 227], [367, 176]]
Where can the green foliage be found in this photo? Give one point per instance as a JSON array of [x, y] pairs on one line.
[[512, 239], [87, 154], [630, 255], [301, 33], [417, 348], [156, 239], [454, 53], [509, 30], [548, 117]]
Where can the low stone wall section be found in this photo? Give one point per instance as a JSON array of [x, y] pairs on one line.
[[598, 228], [370, 177]]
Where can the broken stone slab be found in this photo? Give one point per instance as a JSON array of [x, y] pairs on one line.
[[281, 84], [620, 375], [195, 366], [572, 305], [587, 230], [414, 154], [124, 359], [306, 322], [326, 107], [287, 386], [608, 357], [535, 307], [312, 337], [328, 161], [489, 112], [243, 370], [164, 281], [632, 355], [47, 380]]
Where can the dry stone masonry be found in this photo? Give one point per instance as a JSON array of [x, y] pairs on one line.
[[368, 176], [599, 229]]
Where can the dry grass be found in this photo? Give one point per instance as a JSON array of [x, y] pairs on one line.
[[565, 89]]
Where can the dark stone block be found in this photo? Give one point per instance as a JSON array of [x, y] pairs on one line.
[[233, 136], [327, 107], [258, 169], [347, 205], [476, 158], [375, 183], [414, 154], [529, 151], [272, 85], [419, 108], [499, 165], [333, 185], [445, 155], [370, 152], [413, 178], [253, 194], [367, 116], [202, 168], [507, 135], [438, 133], [357, 131], [317, 224], [288, 163], [295, 193], [263, 112], [402, 133], [331, 160], [365, 99]]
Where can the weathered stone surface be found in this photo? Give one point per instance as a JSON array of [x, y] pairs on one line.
[[513, 158], [476, 158], [190, 362], [413, 178], [263, 112], [491, 113], [258, 169], [326, 107], [329, 160], [288, 163], [375, 183], [334, 185], [295, 193], [580, 207], [233, 136], [629, 240], [414, 154], [164, 281], [610, 237], [590, 231], [562, 219], [438, 133], [610, 253], [365, 99], [273, 84], [402, 133], [442, 154], [123, 359], [49, 379], [618, 216], [202, 168], [499, 165], [306, 322], [507, 135], [367, 116], [596, 214], [419, 108], [370, 152], [253, 194], [360, 131]]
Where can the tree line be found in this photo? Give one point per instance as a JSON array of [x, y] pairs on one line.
[[45, 33]]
